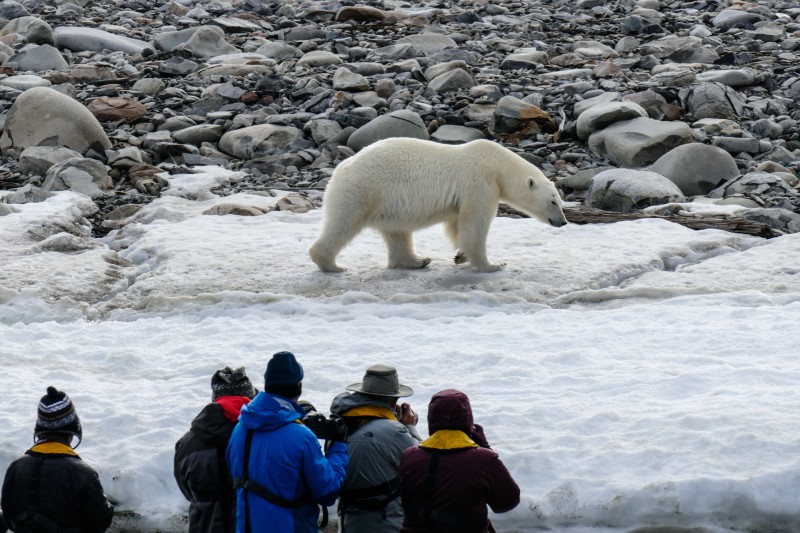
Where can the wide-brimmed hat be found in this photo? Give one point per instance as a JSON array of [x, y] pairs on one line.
[[381, 380]]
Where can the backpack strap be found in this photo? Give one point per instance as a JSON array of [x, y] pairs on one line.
[[260, 490], [32, 519], [226, 492]]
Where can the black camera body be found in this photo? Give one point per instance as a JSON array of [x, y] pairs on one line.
[[327, 428]]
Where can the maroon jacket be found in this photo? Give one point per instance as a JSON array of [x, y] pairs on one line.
[[466, 478]]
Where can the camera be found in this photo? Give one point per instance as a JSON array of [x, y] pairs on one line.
[[330, 428]]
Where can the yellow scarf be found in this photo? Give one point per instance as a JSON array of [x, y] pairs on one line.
[[373, 411], [448, 439], [54, 448]]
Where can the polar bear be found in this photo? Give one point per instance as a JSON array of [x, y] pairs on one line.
[[400, 185]]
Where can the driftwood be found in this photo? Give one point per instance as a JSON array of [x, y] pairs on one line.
[[586, 215]]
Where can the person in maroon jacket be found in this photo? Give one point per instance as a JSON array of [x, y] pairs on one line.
[[448, 480]]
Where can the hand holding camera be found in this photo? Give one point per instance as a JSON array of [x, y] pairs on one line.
[[406, 415], [332, 428]]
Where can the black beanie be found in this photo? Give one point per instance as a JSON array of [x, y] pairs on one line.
[[228, 382], [283, 369], [57, 415]]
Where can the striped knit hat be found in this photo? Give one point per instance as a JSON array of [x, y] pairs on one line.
[[57, 415]]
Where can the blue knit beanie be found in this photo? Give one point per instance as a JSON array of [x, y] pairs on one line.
[[283, 369]]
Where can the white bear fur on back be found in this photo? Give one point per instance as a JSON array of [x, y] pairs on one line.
[[401, 185]]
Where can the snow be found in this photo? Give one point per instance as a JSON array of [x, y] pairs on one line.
[[629, 374]]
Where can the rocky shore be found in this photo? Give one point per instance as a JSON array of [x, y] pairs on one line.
[[673, 107]]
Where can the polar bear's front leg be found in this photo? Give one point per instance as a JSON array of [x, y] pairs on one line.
[[401, 250], [473, 229]]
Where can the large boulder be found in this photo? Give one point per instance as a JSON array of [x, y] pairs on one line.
[[45, 117], [626, 190], [87, 176], [639, 142], [715, 100], [401, 123], [603, 115], [259, 140], [80, 38], [696, 168]]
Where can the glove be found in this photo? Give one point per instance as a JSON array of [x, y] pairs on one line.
[[337, 429], [479, 437]]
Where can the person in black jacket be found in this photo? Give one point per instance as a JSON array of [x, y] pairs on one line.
[[200, 468], [50, 488]]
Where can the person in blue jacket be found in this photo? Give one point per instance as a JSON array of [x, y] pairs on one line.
[[278, 468]]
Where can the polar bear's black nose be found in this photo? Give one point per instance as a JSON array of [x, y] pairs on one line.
[[557, 222]]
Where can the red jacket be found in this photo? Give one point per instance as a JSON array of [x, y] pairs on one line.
[[466, 477]]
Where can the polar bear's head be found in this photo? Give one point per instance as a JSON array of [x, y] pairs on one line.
[[544, 202]]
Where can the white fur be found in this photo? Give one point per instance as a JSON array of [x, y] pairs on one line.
[[401, 185]]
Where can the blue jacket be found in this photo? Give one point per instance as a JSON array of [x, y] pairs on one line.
[[286, 458]]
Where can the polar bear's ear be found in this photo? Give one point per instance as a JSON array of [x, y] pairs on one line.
[[531, 183]]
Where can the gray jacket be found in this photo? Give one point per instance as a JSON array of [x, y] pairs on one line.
[[375, 444]]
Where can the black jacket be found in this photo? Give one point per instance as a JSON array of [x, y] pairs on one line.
[[202, 474], [68, 495]]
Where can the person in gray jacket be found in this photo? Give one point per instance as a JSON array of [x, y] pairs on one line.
[[379, 430]]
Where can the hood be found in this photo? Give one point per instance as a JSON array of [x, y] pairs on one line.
[[212, 426], [346, 401], [450, 409], [269, 411]]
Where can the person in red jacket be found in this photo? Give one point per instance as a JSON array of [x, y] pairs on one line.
[[448, 480]]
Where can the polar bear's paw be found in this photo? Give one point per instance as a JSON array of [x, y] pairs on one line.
[[460, 258], [490, 267]]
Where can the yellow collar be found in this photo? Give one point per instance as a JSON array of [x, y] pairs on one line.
[[448, 439], [54, 448], [373, 411]]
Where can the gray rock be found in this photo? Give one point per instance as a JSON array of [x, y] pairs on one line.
[[429, 43], [401, 123], [731, 78], [28, 194], [38, 159], [80, 38], [279, 50], [639, 142], [10, 10], [734, 18], [583, 105], [257, 141], [601, 116], [37, 59], [762, 184], [736, 145], [696, 168], [125, 158], [395, 52], [35, 30], [346, 80], [208, 41], [23, 82], [452, 134], [196, 135], [655, 104], [626, 190], [527, 58], [715, 100], [442, 68], [781, 219], [234, 209], [766, 128], [44, 117], [87, 176], [452, 81], [149, 86], [323, 130], [318, 58], [678, 49]]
